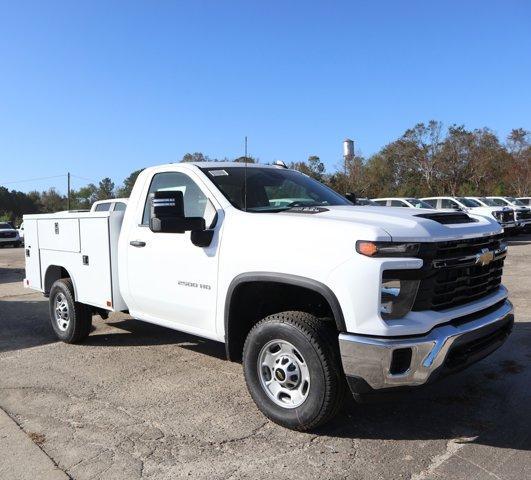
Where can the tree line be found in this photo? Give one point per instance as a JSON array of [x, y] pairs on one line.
[[430, 160], [427, 159]]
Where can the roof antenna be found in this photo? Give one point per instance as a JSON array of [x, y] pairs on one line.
[[245, 178]]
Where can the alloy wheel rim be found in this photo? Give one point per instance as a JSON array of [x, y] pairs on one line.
[[283, 374], [62, 313]]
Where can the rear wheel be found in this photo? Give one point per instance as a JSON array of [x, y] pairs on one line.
[[71, 320], [293, 371]]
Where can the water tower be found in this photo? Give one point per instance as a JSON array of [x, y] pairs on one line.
[[348, 155], [348, 149]]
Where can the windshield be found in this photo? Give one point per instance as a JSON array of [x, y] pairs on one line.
[[467, 202], [487, 201], [271, 189], [498, 202], [516, 201], [4, 225], [418, 203], [474, 202]]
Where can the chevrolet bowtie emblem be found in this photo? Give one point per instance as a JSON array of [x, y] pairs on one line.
[[485, 257]]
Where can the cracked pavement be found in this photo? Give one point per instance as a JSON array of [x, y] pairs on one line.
[[141, 401]]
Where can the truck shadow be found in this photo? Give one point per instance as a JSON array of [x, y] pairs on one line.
[[24, 324], [137, 333], [11, 275], [487, 404]]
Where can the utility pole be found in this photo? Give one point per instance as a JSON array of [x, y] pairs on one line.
[[68, 191], [245, 178]]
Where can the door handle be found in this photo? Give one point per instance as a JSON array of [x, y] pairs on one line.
[[137, 243]]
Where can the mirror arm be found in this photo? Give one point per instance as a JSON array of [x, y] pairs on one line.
[[202, 238]]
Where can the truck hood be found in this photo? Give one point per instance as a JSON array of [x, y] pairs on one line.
[[484, 210], [405, 224]]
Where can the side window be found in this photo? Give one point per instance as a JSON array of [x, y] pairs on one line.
[[196, 204], [103, 207], [447, 203], [397, 203], [119, 206], [432, 202], [380, 202]]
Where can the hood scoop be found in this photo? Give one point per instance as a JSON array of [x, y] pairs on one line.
[[448, 218]]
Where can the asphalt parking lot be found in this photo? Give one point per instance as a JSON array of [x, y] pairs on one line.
[[138, 400]]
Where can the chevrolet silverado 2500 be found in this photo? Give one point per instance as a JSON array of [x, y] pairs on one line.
[[312, 294]]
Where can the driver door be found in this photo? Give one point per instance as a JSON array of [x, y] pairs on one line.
[[172, 281]]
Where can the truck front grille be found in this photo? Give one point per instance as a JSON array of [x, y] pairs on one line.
[[451, 276], [523, 215], [507, 216], [7, 234]]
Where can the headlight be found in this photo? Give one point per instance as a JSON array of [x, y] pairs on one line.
[[397, 297], [387, 249], [498, 215]]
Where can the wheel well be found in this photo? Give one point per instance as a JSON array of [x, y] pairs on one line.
[[53, 273], [251, 301]]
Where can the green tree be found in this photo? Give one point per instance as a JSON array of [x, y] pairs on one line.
[[105, 189], [195, 157], [83, 198], [125, 190], [52, 201], [313, 167], [518, 173]]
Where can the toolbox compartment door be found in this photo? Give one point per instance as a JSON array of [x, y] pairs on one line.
[[61, 234], [93, 272], [32, 254]]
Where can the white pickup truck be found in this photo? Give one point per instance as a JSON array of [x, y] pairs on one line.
[[311, 295]]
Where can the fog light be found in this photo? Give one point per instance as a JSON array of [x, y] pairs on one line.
[[397, 297]]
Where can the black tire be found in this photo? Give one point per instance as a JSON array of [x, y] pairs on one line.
[[316, 341], [79, 315]]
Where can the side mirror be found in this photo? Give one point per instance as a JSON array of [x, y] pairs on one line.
[[351, 197], [167, 214]]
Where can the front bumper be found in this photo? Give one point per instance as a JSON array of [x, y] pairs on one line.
[[377, 363], [509, 225], [9, 240]]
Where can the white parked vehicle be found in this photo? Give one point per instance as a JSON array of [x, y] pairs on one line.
[[9, 235], [362, 202], [408, 202], [111, 205], [522, 214], [503, 216], [310, 296], [20, 231]]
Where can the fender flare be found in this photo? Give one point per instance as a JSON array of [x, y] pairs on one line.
[[288, 279]]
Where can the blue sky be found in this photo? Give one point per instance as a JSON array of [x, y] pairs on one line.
[[104, 88]]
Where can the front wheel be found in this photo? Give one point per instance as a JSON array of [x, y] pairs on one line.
[[293, 371], [71, 321]]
